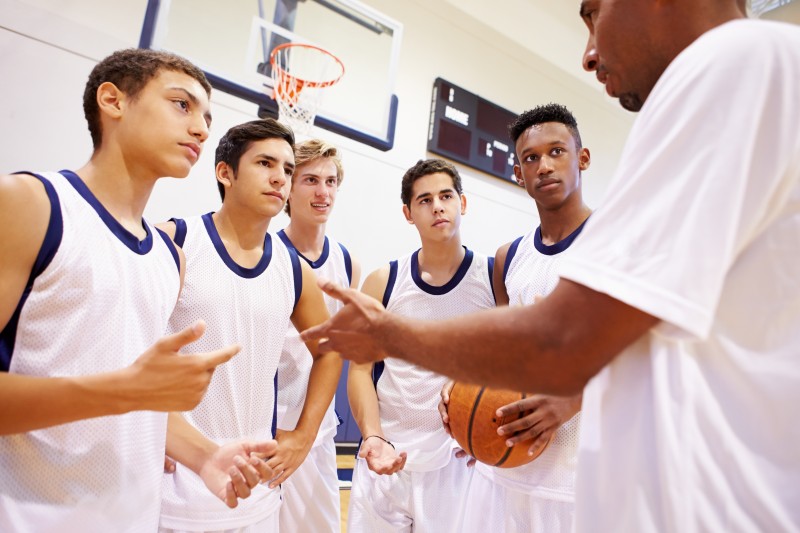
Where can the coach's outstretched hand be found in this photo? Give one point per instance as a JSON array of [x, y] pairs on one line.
[[354, 331], [381, 456]]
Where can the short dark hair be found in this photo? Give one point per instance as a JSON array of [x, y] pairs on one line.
[[131, 70], [426, 167], [542, 114], [238, 139]]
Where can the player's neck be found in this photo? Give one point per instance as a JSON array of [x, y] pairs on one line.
[[439, 261], [308, 238], [121, 192], [557, 225], [240, 229]]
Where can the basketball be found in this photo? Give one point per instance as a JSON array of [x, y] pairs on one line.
[[474, 422]]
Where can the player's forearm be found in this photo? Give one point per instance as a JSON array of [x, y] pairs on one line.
[[363, 400], [186, 444], [31, 403], [322, 382]]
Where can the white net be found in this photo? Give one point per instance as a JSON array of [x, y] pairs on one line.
[[301, 73]]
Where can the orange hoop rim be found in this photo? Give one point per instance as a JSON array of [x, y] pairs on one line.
[[305, 83]]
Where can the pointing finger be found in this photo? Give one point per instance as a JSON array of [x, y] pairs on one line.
[[217, 357], [187, 335]]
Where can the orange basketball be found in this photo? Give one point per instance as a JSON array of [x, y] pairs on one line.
[[474, 422]]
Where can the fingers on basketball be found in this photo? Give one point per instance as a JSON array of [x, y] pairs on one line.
[[474, 422]]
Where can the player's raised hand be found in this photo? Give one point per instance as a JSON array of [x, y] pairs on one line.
[[381, 457], [292, 450], [161, 379], [542, 416], [233, 469], [351, 331]]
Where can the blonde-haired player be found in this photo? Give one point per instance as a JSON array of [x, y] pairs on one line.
[[311, 495]]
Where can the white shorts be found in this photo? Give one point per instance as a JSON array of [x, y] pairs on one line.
[[493, 507], [311, 494], [268, 525], [420, 501]]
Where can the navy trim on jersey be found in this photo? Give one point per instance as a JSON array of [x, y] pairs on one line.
[[313, 264], [348, 264], [387, 293], [172, 249], [512, 251], [447, 287], [490, 262], [249, 273], [558, 247], [298, 276], [377, 372], [126, 237], [180, 231], [275, 405], [50, 245]]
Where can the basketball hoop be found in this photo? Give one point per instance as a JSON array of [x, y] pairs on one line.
[[300, 73]]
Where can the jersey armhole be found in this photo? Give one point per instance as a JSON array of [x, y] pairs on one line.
[[348, 264], [490, 263], [512, 251], [297, 273], [171, 247], [180, 231], [50, 245], [387, 294]]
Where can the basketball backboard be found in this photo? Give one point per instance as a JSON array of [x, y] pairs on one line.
[[232, 41]]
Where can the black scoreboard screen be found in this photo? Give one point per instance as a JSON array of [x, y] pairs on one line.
[[470, 130]]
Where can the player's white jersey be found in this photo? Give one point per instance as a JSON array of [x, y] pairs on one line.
[[408, 395], [246, 306], [530, 270], [98, 297], [335, 264]]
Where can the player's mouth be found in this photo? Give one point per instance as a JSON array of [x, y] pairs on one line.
[[547, 184], [276, 194], [193, 149], [440, 222], [320, 206]]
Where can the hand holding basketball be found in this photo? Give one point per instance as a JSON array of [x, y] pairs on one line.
[[474, 422], [536, 418]]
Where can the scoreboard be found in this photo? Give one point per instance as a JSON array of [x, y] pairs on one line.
[[470, 130]]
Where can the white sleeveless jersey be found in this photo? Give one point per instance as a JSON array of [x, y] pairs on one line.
[[530, 270], [408, 395], [97, 299], [335, 264], [246, 306]]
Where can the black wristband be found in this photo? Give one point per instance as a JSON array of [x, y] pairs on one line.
[[378, 436]]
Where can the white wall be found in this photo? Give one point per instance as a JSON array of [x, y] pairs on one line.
[[48, 47]]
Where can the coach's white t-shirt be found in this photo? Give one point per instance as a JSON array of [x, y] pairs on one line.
[[694, 427]]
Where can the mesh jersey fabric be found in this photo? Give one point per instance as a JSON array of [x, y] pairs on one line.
[[104, 298], [246, 306]]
